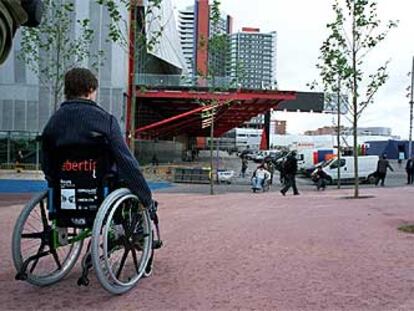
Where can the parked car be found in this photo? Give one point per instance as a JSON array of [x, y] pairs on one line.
[[225, 176]]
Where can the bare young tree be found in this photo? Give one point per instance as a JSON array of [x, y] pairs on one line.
[[355, 31], [145, 30], [52, 48]]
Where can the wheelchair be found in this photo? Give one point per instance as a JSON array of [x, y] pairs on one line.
[[263, 186], [85, 205]]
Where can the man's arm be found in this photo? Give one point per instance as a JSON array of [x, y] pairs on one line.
[[47, 150], [127, 165]]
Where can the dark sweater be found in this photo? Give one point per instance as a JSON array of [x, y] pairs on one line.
[[72, 125]]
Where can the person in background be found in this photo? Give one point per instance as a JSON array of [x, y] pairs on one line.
[[290, 169], [382, 167], [19, 161], [409, 168], [401, 157], [269, 166], [154, 160], [245, 164], [320, 178]]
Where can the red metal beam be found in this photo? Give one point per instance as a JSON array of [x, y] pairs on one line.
[[224, 96], [168, 120]]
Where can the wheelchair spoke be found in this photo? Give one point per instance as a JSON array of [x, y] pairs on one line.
[[134, 257], [32, 227], [137, 219], [125, 225], [36, 216], [34, 235], [43, 213], [121, 265], [41, 248], [56, 258]]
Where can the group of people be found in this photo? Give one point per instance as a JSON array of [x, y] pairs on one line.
[[263, 175]]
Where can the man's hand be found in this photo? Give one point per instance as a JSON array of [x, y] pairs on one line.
[[153, 210]]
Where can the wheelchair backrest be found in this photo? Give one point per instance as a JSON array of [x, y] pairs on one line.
[[80, 184]]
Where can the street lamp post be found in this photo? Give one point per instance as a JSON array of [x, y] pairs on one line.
[[411, 112]]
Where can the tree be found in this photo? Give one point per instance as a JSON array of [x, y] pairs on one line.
[[52, 48], [354, 33], [217, 47], [145, 31]]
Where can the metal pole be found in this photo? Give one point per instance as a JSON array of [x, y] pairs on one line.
[[8, 148], [339, 132], [217, 157], [411, 112], [37, 155], [211, 152]]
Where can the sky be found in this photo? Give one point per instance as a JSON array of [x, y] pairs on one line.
[[301, 29]]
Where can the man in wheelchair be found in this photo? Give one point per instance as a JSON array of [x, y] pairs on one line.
[[82, 138], [260, 179]]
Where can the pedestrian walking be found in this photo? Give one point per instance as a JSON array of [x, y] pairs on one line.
[[245, 164], [382, 167], [290, 169], [19, 162], [409, 168]]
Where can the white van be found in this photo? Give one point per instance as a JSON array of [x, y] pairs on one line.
[[308, 158], [367, 166]]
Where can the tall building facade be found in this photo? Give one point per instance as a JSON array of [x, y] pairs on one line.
[[26, 104], [195, 29], [253, 58]]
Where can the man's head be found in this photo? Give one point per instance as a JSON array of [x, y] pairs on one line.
[[80, 83]]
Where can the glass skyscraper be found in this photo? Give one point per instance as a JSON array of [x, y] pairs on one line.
[[253, 59], [26, 104]]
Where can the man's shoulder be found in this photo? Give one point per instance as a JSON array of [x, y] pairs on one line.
[[79, 104], [86, 110]]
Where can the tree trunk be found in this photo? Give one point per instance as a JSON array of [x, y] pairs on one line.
[[211, 153], [355, 132], [338, 138], [355, 103], [57, 78]]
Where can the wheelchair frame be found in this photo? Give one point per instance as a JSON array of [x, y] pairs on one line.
[[121, 224]]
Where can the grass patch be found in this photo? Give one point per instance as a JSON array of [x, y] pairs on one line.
[[407, 228]]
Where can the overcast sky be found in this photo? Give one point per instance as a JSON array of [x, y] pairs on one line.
[[301, 29]]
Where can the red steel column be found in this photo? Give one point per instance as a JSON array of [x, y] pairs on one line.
[[202, 35], [131, 70]]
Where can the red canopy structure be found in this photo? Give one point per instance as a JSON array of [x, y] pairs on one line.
[[167, 113], [263, 141]]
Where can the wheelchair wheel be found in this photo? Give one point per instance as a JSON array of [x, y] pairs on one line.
[[32, 236], [121, 241]]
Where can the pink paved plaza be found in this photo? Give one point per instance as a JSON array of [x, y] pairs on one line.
[[316, 251]]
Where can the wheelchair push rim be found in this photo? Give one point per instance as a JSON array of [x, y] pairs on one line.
[[37, 256], [121, 242]]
